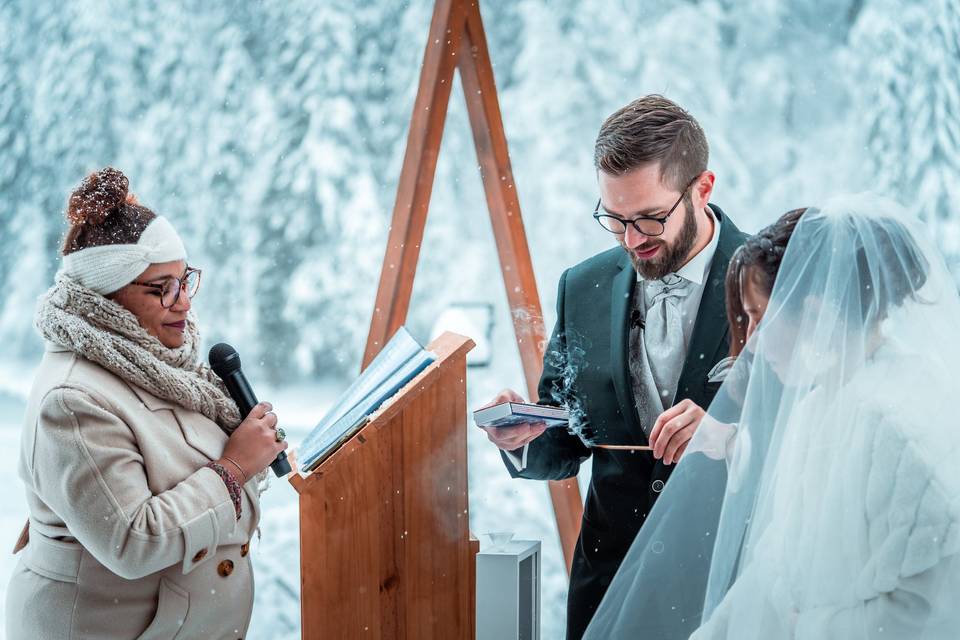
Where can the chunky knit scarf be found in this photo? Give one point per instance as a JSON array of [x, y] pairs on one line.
[[102, 331]]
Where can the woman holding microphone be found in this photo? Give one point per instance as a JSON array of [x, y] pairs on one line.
[[142, 479]]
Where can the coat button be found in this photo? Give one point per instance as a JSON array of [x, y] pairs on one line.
[[657, 486], [225, 568], [200, 555], [244, 549]]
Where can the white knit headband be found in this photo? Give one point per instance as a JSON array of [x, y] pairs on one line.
[[109, 267]]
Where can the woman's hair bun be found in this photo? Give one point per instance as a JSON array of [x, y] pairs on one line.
[[97, 197]]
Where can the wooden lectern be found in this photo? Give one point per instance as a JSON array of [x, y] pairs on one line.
[[385, 546], [457, 41]]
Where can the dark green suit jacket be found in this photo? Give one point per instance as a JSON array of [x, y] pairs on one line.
[[586, 369]]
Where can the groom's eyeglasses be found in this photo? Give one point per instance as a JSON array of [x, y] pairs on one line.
[[647, 225], [171, 287]]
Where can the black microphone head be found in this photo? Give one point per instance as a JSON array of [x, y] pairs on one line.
[[224, 359]]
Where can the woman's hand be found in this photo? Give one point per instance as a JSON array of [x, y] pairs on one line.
[[253, 445]]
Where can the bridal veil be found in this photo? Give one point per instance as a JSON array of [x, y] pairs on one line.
[[820, 497]]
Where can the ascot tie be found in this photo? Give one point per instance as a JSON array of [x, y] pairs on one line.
[[657, 345]]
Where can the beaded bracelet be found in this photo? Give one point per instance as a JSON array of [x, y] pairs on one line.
[[233, 487]]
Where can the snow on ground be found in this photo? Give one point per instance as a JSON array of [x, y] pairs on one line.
[[497, 503], [13, 506]]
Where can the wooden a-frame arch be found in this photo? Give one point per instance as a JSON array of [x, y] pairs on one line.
[[457, 41]]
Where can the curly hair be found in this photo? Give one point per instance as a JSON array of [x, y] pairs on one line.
[[873, 240], [102, 211]]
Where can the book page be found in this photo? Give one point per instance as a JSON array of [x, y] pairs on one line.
[[382, 384]]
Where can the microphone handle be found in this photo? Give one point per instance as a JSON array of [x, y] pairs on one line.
[[246, 400]]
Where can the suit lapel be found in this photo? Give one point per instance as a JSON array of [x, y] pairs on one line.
[[711, 324], [622, 295], [201, 433], [208, 439]]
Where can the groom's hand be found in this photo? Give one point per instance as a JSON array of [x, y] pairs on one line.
[[518, 435], [673, 429]]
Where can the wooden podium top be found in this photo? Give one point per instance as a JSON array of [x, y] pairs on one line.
[[448, 346]]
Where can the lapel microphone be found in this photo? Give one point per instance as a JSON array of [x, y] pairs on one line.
[[225, 362], [636, 320]]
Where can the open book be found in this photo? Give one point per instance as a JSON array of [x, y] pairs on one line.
[[397, 364]]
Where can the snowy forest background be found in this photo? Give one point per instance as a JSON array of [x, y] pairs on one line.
[[272, 132]]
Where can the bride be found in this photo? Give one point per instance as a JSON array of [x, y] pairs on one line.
[[820, 497]]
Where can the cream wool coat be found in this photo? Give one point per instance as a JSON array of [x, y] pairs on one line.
[[130, 536]]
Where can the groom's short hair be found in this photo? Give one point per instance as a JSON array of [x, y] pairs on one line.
[[652, 129]]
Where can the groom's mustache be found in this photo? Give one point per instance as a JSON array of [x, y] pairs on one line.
[[635, 253]]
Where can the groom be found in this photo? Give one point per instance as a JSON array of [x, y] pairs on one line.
[[638, 329]]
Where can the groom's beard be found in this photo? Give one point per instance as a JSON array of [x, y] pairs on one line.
[[673, 255]]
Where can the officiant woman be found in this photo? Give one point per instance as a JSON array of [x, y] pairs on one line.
[[142, 479]]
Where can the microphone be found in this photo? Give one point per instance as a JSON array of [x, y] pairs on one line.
[[225, 362]]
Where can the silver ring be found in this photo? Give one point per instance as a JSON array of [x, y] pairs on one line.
[[281, 435]]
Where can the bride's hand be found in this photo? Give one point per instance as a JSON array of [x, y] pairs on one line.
[[673, 429]]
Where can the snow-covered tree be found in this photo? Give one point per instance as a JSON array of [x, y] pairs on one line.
[[272, 133], [909, 55]]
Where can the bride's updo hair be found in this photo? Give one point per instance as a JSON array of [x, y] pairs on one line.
[[759, 258], [888, 269], [102, 211], [895, 275], [901, 270]]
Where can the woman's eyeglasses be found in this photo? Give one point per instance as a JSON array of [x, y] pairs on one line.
[[170, 289]]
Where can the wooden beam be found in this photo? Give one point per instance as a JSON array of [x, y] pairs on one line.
[[490, 140], [416, 176], [457, 40], [479, 87]]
